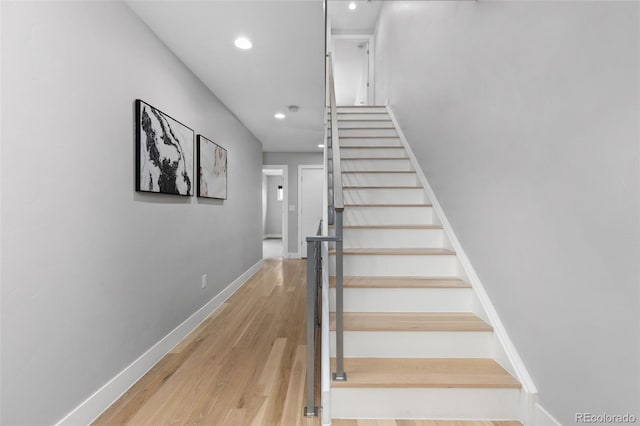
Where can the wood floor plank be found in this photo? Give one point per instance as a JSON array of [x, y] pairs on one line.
[[400, 282], [425, 372], [410, 321]]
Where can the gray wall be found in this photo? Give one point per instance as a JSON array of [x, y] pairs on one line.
[[273, 222], [524, 117], [292, 159], [93, 274]]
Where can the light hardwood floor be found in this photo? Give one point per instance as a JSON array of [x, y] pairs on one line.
[[245, 365]]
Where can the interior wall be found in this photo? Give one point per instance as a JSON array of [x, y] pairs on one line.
[[93, 273], [292, 160], [524, 118], [273, 223]]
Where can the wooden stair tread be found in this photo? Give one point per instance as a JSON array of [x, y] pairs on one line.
[[395, 252], [367, 137], [377, 171], [410, 321], [367, 128], [400, 282], [362, 119], [382, 187], [390, 205], [372, 147], [389, 226], [422, 422], [374, 158], [425, 373]]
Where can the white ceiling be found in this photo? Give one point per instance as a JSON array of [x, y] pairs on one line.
[[362, 20], [284, 67]]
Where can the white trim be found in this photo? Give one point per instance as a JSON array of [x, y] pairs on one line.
[[371, 39], [543, 418], [300, 167], [501, 333], [0, 189], [89, 410], [285, 204]]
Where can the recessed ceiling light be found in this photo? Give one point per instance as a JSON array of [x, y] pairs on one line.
[[243, 43], [320, 145], [279, 116], [352, 5]]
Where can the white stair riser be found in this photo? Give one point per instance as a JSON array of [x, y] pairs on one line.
[[388, 215], [373, 153], [365, 123], [366, 133], [380, 179], [362, 110], [397, 265], [376, 165], [391, 195], [425, 403], [404, 299], [393, 238], [416, 344], [346, 142], [355, 116]]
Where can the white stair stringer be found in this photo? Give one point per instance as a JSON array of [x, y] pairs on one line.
[[402, 260]]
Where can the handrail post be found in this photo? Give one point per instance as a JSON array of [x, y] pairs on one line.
[[339, 374], [311, 410]]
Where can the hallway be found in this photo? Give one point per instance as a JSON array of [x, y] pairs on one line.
[[244, 365]]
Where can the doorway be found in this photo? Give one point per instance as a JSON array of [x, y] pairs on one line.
[[310, 192], [274, 220], [353, 66]]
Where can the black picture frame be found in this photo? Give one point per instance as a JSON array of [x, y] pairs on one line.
[[164, 152], [212, 161]]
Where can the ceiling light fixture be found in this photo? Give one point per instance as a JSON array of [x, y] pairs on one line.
[[320, 145], [352, 5], [243, 43], [279, 116]]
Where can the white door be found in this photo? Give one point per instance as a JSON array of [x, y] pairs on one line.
[[310, 213], [352, 70]]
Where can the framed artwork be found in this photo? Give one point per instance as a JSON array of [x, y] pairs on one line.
[[212, 169], [164, 152]]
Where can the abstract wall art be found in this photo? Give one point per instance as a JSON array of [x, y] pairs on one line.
[[164, 152], [212, 169]]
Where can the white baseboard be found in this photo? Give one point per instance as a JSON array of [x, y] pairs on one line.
[[103, 398], [543, 418]]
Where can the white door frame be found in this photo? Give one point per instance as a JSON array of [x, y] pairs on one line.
[[300, 167], [372, 48], [285, 204]]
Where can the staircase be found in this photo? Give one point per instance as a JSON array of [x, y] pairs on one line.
[[417, 344]]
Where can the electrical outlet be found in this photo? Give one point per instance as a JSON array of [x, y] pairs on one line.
[[204, 281]]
